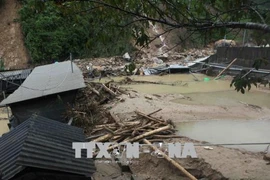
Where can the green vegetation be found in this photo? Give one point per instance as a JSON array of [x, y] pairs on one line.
[[96, 28], [54, 30]]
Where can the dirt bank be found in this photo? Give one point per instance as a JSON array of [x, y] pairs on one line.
[[12, 49]]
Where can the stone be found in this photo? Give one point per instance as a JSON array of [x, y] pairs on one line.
[[267, 156], [148, 97]]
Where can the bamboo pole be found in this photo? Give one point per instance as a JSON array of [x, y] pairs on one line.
[[143, 135], [151, 118], [225, 68], [103, 138], [174, 163]]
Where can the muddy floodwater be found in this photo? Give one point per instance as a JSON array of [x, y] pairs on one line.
[[3, 127], [229, 132], [227, 98], [3, 121], [209, 92], [182, 83]]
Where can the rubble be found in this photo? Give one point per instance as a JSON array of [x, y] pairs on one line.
[[117, 66], [87, 110]]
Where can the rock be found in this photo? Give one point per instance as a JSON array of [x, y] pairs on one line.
[[163, 58], [188, 58], [148, 97], [131, 95], [157, 60], [225, 43]]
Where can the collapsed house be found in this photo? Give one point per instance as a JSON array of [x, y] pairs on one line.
[[41, 148], [11, 80], [47, 92]]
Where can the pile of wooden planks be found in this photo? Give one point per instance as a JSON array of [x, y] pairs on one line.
[[143, 126]]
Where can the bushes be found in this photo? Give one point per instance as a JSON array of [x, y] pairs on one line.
[[52, 31]]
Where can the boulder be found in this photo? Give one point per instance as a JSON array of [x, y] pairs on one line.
[[225, 43]]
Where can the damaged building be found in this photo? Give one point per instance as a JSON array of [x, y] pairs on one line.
[[47, 92], [41, 148]]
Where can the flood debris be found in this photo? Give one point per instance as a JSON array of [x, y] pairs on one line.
[[46, 91], [87, 110], [143, 126], [225, 68], [174, 163], [128, 80]]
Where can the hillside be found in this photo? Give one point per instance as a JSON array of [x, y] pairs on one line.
[[12, 49]]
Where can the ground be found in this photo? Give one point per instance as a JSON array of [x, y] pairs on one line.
[[12, 49], [219, 163]]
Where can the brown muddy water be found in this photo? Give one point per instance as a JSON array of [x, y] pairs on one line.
[[216, 93], [229, 132], [3, 121], [3, 127], [182, 83]]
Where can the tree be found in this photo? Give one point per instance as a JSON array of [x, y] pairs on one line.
[[200, 17], [53, 29]]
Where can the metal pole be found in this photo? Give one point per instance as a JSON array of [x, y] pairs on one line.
[[71, 62]]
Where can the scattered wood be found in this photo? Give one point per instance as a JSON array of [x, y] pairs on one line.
[[225, 68], [154, 112], [174, 163], [103, 138], [95, 91], [167, 136], [108, 90], [151, 118], [146, 126]]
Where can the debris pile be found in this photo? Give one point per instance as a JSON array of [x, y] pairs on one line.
[[142, 126], [87, 110]]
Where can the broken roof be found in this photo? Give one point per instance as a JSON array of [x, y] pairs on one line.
[[46, 80], [42, 143], [16, 74]]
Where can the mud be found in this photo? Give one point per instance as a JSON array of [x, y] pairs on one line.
[[188, 104], [3, 121]]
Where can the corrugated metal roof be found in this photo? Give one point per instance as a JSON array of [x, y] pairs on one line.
[[17, 74], [42, 143], [46, 80]]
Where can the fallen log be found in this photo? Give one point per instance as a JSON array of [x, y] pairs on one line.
[[109, 130], [154, 112], [95, 91], [150, 133], [174, 163], [225, 69], [94, 137], [108, 90], [143, 136], [103, 138], [117, 120], [151, 118], [167, 136]]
